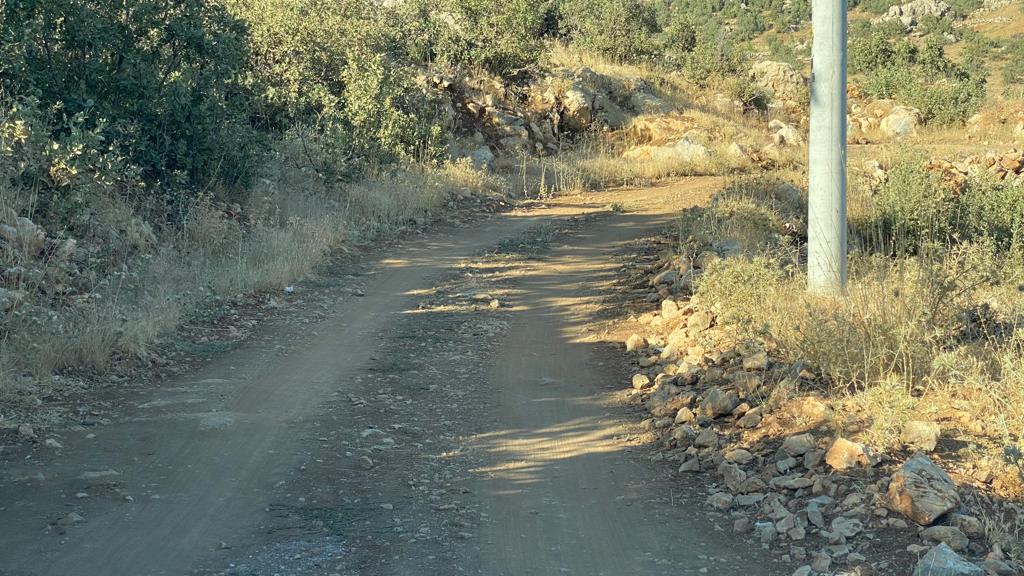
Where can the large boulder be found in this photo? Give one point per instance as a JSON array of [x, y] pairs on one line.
[[780, 79], [943, 561], [901, 121], [922, 491]]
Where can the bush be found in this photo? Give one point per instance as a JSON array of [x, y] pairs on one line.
[[914, 211], [924, 77], [622, 30], [333, 65], [158, 80], [501, 36]]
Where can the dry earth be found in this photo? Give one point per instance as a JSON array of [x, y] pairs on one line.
[[451, 409]]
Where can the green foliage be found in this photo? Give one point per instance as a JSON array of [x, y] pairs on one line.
[[1013, 70], [501, 36], [924, 77], [913, 209], [619, 29], [158, 77]]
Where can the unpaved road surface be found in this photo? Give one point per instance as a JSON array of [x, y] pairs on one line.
[[452, 409]]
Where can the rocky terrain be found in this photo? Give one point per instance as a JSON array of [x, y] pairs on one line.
[[771, 445]]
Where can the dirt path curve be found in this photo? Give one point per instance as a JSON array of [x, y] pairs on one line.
[[252, 464]]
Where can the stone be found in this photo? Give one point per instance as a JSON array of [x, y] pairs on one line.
[[844, 455], [719, 402], [641, 382], [921, 434], [635, 342], [948, 535], [756, 362], [922, 491], [365, 462], [847, 527], [944, 561], [901, 121], [799, 445], [669, 309], [707, 438], [912, 13], [26, 431], [721, 500], [691, 465]]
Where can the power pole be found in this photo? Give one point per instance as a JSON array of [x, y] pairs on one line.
[[826, 218]]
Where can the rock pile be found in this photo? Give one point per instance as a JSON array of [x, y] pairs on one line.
[[782, 81], [956, 173], [776, 466], [500, 118]]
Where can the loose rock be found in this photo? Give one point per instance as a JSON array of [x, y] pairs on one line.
[[922, 491], [944, 561]]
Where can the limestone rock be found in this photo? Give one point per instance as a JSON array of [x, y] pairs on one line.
[[719, 402], [944, 561], [921, 434], [948, 535], [844, 455], [922, 491]]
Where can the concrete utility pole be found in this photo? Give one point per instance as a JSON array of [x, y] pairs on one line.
[[826, 218]]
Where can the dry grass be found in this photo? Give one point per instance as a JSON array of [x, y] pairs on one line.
[[291, 222], [920, 334]]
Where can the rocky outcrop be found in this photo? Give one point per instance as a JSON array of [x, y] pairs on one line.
[[901, 121], [780, 79], [911, 13]]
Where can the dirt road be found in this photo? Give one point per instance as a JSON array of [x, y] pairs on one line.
[[450, 410]]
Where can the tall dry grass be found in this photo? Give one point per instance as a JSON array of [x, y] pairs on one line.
[[287, 225], [929, 322]]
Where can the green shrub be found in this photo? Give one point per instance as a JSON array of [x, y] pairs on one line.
[[158, 77], [915, 210], [622, 30], [924, 78], [501, 36]]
